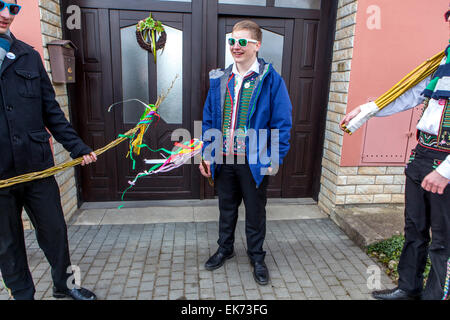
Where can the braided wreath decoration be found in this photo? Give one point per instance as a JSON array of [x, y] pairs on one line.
[[146, 32]]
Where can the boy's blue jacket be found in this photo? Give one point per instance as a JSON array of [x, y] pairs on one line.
[[270, 108]]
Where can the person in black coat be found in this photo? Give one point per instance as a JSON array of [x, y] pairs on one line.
[[28, 110]]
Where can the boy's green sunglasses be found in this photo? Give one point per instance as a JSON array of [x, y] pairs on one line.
[[241, 42], [12, 7]]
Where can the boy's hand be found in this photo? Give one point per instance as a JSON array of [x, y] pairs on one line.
[[207, 173], [89, 158], [349, 116], [435, 183]]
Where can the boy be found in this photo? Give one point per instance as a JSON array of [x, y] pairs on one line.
[[248, 96]]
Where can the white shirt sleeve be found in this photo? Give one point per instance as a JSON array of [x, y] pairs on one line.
[[444, 168], [406, 101]]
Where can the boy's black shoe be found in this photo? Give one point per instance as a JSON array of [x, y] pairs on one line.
[[217, 260]]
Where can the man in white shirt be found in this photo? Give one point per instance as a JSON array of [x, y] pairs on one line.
[[427, 195]]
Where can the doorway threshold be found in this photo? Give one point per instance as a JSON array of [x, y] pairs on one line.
[[168, 211], [185, 203]]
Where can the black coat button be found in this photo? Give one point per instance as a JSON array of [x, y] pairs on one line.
[[9, 108]]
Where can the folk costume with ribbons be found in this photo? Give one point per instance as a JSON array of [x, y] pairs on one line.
[[257, 100], [428, 84]]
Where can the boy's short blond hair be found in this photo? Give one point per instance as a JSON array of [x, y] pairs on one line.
[[251, 26]]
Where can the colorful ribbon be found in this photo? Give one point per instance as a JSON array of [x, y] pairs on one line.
[[145, 121], [447, 281], [177, 158]]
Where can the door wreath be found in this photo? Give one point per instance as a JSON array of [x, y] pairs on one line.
[[146, 32]]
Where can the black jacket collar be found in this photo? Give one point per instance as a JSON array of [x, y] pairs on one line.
[[18, 48]]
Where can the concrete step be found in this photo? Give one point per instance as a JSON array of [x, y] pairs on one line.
[[186, 211], [368, 224]]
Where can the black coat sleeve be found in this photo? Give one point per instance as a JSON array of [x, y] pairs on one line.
[[55, 120]]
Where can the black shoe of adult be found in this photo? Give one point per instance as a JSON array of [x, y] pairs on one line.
[[260, 273], [76, 294], [393, 294], [217, 260]]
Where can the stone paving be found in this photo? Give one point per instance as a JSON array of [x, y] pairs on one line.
[[307, 259]]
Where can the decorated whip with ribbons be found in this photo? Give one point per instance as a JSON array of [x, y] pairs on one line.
[[66, 165], [183, 151], [447, 281], [180, 155], [177, 157], [412, 79], [134, 135]]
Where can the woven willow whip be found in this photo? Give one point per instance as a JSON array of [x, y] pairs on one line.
[[410, 80], [66, 165]]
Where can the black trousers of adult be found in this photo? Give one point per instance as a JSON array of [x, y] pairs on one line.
[[234, 184], [41, 200], [424, 211]]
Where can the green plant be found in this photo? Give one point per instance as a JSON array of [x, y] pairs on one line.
[[388, 252], [147, 31]]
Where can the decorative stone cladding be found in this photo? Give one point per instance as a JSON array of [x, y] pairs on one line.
[[350, 185], [50, 14]]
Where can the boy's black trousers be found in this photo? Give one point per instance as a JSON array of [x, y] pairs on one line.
[[234, 184], [41, 200], [425, 211]]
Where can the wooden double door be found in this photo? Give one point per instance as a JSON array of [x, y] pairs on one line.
[[111, 68]]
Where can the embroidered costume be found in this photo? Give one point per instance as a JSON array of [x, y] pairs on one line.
[[258, 100], [236, 109], [425, 210]]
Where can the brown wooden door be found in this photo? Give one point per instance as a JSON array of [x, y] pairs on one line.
[[135, 75], [110, 68], [306, 88], [105, 75]]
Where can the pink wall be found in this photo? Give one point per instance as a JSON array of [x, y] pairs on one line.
[[27, 25], [411, 31]]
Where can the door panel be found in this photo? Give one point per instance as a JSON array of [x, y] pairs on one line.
[[305, 88], [88, 100], [146, 80]]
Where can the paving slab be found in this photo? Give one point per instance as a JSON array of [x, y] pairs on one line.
[[140, 261], [145, 215]]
